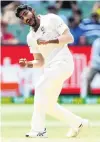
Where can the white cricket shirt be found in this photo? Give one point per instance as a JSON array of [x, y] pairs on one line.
[[51, 27]]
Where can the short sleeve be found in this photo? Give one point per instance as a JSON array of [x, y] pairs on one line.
[[59, 24], [32, 44]]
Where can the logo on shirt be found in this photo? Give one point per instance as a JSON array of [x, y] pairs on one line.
[[43, 30]]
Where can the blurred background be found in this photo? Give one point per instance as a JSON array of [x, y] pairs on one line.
[[17, 84], [84, 24]]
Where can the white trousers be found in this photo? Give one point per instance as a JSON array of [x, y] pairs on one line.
[[47, 92]]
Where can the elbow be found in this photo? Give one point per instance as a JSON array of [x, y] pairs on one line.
[[71, 39]]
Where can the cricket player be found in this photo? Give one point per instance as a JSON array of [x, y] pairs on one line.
[[47, 40], [92, 70]]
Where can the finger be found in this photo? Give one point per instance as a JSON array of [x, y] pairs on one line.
[[25, 59], [22, 63], [21, 59]]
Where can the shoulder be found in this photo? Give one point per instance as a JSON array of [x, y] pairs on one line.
[[52, 16], [86, 21], [50, 19]]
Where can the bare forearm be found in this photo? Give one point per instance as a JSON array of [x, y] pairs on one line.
[[65, 39]]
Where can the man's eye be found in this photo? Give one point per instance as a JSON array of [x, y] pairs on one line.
[[25, 13], [21, 18]]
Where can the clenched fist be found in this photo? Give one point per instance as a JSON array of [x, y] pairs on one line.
[[23, 62]]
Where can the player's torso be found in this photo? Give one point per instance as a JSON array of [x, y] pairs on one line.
[[46, 32]]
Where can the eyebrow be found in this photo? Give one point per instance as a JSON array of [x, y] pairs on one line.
[[21, 14], [21, 17]]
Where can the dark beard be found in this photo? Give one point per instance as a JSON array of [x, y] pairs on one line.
[[35, 25], [35, 22]]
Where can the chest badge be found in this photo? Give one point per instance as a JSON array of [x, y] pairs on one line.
[[43, 30]]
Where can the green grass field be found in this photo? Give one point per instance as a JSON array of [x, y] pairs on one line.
[[16, 118]]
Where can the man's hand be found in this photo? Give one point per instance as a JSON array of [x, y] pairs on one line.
[[23, 62], [42, 42]]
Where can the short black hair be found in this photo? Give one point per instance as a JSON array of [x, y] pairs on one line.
[[20, 8], [51, 7], [79, 12], [71, 19]]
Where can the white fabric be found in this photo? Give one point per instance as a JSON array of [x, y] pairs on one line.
[[59, 67], [51, 27], [47, 91]]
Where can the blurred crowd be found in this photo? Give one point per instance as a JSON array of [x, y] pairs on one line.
[[82, 17]]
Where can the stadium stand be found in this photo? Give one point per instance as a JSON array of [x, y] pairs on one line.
[[65, 9]]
